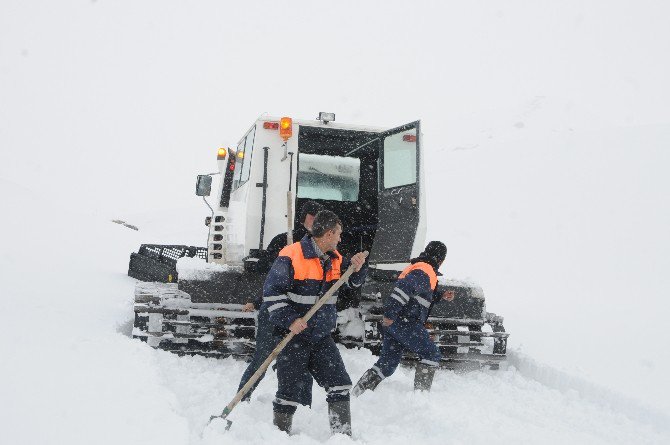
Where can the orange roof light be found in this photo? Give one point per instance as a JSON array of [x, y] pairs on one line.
[[221, 154], [285, 128]]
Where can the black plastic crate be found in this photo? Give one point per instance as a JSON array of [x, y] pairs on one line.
[[157, 262]]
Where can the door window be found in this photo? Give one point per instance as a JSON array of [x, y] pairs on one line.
[[400, 159]]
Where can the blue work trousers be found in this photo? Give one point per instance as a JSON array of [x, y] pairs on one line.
[[265, 344], [299, 362], [401, 335]]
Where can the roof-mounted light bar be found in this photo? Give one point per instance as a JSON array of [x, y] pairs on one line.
[[326, 117]]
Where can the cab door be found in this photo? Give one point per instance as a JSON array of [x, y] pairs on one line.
[[399, 194]]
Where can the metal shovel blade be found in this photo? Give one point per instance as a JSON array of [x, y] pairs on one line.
[[228, 422]]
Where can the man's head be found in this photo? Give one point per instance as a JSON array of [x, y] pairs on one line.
[[435, 252], [308, 212], [326, 230]]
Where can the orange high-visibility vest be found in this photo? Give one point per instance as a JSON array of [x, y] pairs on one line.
[[310, 268], [424, 267]]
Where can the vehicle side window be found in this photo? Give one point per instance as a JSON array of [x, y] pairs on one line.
[[239, 163], [243, 165], [400, 159], [248, 153]]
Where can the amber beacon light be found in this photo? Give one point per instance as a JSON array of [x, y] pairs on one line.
[[285, 128], [221, 154]]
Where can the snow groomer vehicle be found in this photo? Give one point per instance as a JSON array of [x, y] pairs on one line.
[[190, 299]]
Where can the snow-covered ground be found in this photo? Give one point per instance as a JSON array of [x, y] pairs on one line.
[[71, 374], [546, 134]]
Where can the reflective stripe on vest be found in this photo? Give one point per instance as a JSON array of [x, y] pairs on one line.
[[310, 268], [309, 299], [424, 267], [422, 301]]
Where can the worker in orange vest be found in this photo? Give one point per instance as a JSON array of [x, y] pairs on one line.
[[405, 312], [302, 273]]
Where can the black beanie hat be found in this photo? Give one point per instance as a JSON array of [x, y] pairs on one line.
[[309, 208], [435, 251]]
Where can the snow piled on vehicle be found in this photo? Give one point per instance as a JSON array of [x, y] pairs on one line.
[[198, 269], [475, 290]]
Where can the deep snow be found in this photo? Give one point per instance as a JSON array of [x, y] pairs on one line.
[[546, 130], [72, 374]]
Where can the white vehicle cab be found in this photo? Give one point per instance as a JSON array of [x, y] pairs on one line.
[[370, 177]]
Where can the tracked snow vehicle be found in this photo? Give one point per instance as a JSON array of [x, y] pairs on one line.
[[371, 177]]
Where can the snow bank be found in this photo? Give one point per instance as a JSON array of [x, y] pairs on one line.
[[588, 390], [473, 408]]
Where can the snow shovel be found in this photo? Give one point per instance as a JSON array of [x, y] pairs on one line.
[[240, 394]]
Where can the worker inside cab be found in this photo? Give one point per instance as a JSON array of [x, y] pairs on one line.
[[308, 212]]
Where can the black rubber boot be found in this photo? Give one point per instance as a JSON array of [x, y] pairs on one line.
[[423, 378], [283, 421], [369, 380], [339, 416]]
